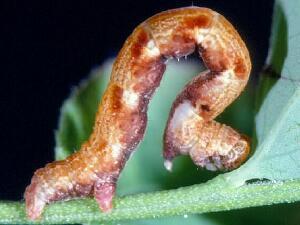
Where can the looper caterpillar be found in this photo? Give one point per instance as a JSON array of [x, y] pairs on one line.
[[122, 115]]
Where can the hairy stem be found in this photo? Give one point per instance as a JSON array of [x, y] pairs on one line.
[[215, 195]]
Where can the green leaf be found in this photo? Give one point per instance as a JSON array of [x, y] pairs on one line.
[[278, 119]]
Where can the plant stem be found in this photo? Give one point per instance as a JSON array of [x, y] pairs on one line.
[[215, 195]]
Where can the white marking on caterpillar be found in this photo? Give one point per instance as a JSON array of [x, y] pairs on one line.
[[130, 98], [152, 50], [185, 111], [116, 150]]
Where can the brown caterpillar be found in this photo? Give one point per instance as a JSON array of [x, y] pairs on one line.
[[122, 114]]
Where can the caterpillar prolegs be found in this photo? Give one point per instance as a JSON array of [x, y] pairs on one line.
[[122, 114]]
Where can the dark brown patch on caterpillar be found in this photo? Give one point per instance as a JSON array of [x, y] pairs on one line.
[[215, 60], [240, 67], [141, 41], [116, 97], [201, 21]]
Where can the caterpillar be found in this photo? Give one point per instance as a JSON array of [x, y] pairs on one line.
[[122, 114]]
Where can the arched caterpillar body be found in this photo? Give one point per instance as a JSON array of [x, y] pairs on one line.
[[122, 115]]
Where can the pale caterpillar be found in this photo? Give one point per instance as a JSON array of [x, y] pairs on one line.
[[122, 115]]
